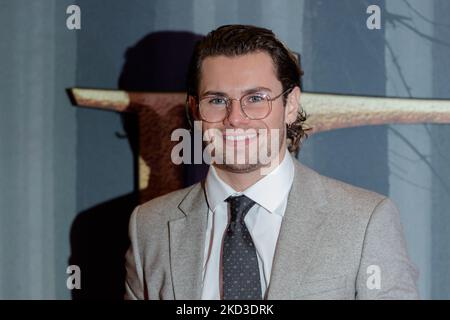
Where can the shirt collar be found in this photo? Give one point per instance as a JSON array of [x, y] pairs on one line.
[[269, 192]]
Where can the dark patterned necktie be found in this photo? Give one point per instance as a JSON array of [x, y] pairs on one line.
[[241, 279]]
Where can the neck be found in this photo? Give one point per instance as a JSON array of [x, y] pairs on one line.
[[242, 181]]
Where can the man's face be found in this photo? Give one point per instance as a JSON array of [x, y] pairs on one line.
[[234, 77]]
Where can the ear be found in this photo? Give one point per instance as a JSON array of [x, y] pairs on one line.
[[192, 106], [292, 105]]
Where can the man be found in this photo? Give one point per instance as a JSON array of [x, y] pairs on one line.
[[255, 229]]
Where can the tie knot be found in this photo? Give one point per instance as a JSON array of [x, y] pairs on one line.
[[239, 206]]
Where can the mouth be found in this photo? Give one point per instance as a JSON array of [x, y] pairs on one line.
[[240, 138]]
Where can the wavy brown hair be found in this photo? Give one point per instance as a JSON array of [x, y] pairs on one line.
[[235, 40]]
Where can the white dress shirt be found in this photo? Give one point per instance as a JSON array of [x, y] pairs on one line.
[[263, 221]]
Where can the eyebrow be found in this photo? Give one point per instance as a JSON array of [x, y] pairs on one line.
[[248, 91]]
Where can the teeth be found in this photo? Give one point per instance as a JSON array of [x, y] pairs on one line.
[[239, 138]]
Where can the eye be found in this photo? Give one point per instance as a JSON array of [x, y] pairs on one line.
[[217, 101], [255, 98]]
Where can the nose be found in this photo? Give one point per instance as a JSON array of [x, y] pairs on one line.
[[235, 114]]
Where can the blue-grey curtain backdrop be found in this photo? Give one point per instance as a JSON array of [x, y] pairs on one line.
[[58, 161], [37, 148]]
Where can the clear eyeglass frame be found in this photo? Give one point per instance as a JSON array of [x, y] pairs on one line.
[[228, 100]]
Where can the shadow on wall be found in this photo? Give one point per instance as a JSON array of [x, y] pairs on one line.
[[99, 235]]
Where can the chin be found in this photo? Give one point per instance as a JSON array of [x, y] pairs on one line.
[[240, 168]]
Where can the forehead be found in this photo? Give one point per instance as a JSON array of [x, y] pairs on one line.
[[238, 73]]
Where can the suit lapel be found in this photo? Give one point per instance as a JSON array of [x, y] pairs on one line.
[[299, 234], [187, 237]]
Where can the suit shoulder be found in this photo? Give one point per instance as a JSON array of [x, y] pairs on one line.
[[165, 207], [343, 195], [342, 191]]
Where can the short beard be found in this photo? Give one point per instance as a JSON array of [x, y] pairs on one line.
[[250, 167], [239, 168]]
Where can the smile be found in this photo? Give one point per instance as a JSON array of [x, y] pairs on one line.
[[239, 137]]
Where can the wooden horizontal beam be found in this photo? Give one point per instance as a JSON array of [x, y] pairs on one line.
[[325, 111]]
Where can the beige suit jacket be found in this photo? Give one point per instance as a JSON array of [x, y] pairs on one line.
[[336, 242]]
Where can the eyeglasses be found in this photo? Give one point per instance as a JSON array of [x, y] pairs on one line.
[[254, 106]]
